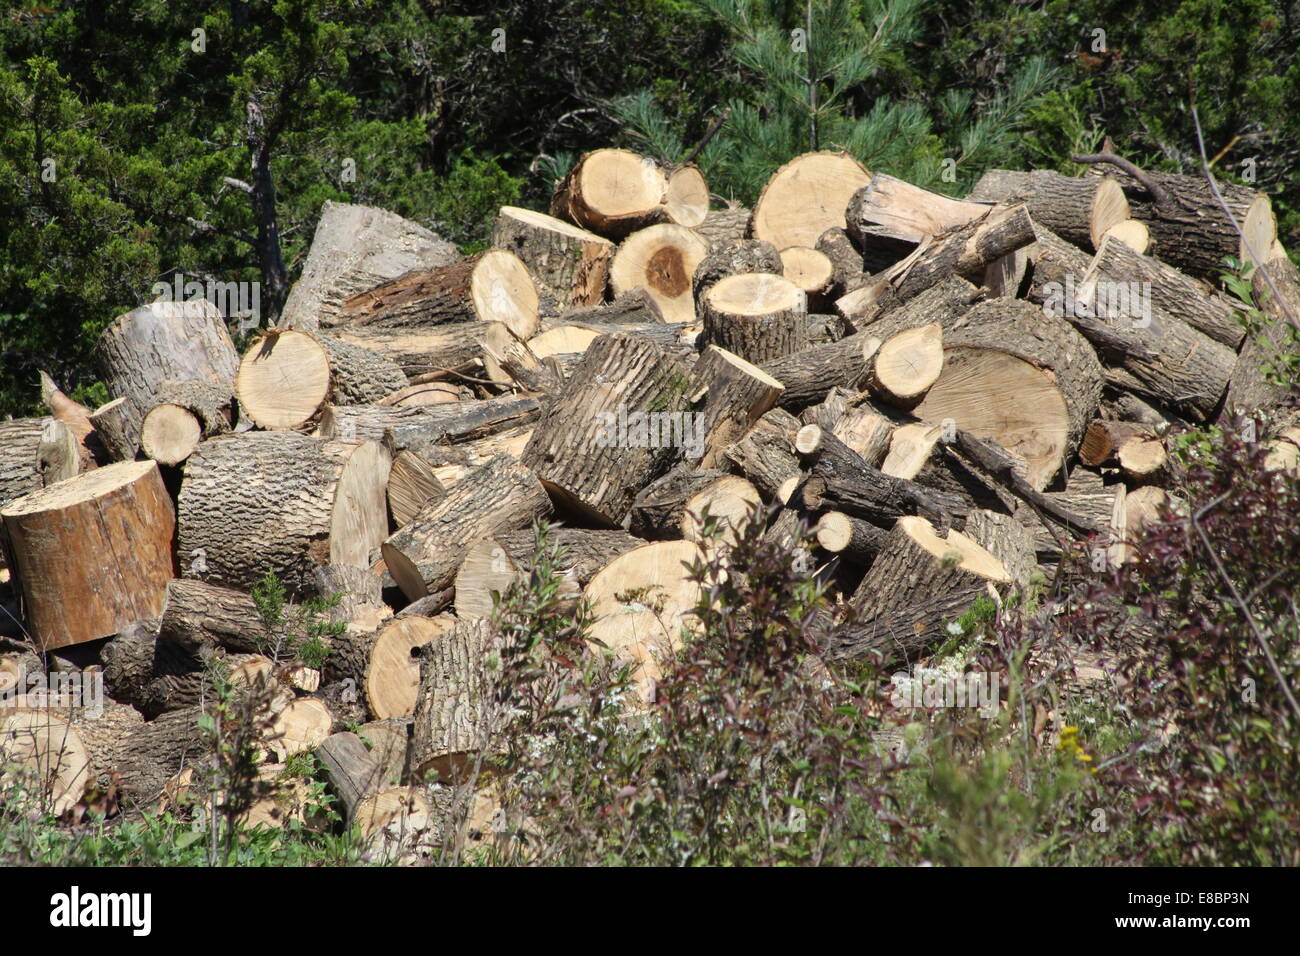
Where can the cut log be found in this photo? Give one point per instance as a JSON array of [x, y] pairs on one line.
[[486, 572], [156, 751], [1026, 380], [1142, 460], [636, 306], [356, 248], [735, 395], [763, 455], [93, 553], [1192, 301], [805, 197], [662, 260], [428, 393], [432, 429], [811, 271], [731, 259], [426, 354], [867, 432], [77, 417], [165, 342], [393, 670], [640, 604], [387, 742], [411, 485], [1057, 265], [287, 376], [570, 263], [585, 552], [1133, 233], [493, 286], [674, 506], [910, 449], [686, 200], [199, 616], [282, 503], [35, 453], [725, 225], [906, 365], [612, 192], [757, 316], [1002, 536], [1079, 210], [965, 251], [1103, 440], [594, 448], [499, 496], [1250, 388], [891, 209], [351, 771], [151, 674], [117, 423], [42, 753], [300, 727], [851, 538], [182, 415], [457, 716], [919, 583]]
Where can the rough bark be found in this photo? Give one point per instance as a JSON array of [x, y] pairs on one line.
[[1249, 388], [570, 263]]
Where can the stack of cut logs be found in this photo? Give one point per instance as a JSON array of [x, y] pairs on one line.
[[943, 391]]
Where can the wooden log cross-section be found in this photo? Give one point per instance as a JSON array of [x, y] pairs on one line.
[[615, 192], [805, 197], [661, 260], [93, 553], [757, 316], [181, 416]]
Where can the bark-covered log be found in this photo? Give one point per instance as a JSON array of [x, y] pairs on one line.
[[757, 316], [1002, 536], [158, 750], [847, 272], [93, 553], [152, 674], [594, 448], [674, 505], [735, 395], [734, 258], [851, 538], [906, 365], [1250, 388], [499, 496], [615, 192], [637, 307], [181, 416], [274, 502], [725, 225], [1079, 210], [965, 251], [34, 453], [424, 353], [458, 716], [570, 263], [811, 271], [392, 674], [432, 429], [117, 424], [891, 209], [662, 260], [1055, 263], [765, 456], [200, 616]]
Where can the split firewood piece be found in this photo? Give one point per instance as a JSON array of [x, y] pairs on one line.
[[575, 337], [829, 410], [392, 672], [674, 505], [493, 286], [1003, 277], [1127, 407], [199, 616], [722, 226], [93, 553], [458, 714], [847, 272], [839, 479], [425, 426], [182, 415], [1007, 539], [287, 376], [1132, 233], [1024, 379], [275, 502], [77, 417], [42, 752], [34, 453], [1079, 210], [300, 727], [893, 210], [356, 248], [566, 340], [757, 316], [1188, 226], [411, 485], [585, 551], [510, 363], [486, 571], [641, 601], [734, 258], [1193, 301], [427, 393], [764, 456], [866, 431], [1142, 509], [662, 260], [805, 197], [919, 584], [156, 751], [570, 263], [811, 271], [1250, 388], [910, 449], [851, 538], [906, 365], [501, 495], [1151, 352], [618, 423], [165, 342], [615, 192], [735, 394], [1104, 438], [117, 424], [965, 251]]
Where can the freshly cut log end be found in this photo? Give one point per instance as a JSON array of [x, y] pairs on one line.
[[1142, 460], [805, 197], [686, 199], [808, 439], [757, 316], [851, 538], [93, 553], [302, 726], [184, 414], [661, 259], [810, 270], [906, 365], [891, 209], [283, 380], [487, 569], [393, 671], [612, 192], [265, 501], [1259, 232], [570, 263], [412, 484], [1132, 232], [734, 258]]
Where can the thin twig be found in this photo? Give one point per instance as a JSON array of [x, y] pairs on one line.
[[708, 135], [1150, 185]]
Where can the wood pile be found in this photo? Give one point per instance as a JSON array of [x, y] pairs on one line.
[[941, 390]]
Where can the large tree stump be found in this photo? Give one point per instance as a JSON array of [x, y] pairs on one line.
[[662, 260], [758, 317], [499, 496], [283, 503], [93, 553], [1080, 210], [570, 263], [805, 197], [619, 422]]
